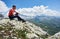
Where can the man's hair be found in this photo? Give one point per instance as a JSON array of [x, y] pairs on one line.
[[13, 6]]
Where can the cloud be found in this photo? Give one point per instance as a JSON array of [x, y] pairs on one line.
[[34, 11], [3, 7], [38, 10]]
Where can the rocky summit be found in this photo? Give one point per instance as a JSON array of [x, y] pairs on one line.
[[13, 29], [18, 30]]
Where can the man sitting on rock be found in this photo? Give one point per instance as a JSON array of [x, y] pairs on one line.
[[11, 14]]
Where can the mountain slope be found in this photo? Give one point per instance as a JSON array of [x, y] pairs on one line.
[[18, 30], [50, 24]]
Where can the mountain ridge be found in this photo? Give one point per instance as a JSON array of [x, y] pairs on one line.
[[47, 23], [28, 30]]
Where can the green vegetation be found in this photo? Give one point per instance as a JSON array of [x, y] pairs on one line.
[[15, 33]]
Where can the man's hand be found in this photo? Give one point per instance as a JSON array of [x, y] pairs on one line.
[[16, 13]]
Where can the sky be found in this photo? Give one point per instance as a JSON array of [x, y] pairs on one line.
[[32, 7], [53, 4]]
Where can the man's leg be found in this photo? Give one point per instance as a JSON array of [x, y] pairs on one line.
[[10, 17], [20, 19]]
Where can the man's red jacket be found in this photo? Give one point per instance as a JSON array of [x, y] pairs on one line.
[[11, 12]]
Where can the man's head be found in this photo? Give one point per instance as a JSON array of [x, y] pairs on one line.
[[14, 7]]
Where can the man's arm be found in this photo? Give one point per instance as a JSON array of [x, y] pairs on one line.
[[10, 13], [16, 13]]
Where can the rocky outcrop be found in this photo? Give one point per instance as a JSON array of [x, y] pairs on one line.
[[19, 30], [56, 36]]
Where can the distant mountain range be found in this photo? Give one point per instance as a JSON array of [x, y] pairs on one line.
[[51, 24], [1, 16]]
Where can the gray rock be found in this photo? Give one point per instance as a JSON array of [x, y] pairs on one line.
[[1, 16], [33, 31]]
